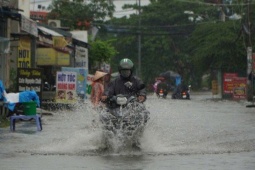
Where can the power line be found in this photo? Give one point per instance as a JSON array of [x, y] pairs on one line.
[[216, 4], [129, 10], [187, 1], [150, 27], [42, 1]]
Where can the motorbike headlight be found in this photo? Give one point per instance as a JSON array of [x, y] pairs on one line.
[[121, 100]]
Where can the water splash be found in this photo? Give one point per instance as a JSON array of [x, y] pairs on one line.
[[172, 129]]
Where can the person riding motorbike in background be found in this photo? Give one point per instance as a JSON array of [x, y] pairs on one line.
[[182, 87], [162, 86], [126, 83]]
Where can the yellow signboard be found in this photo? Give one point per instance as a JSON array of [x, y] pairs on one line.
[[24, 53], [214, 87], [49, 56], [63, 59], [45, 56]]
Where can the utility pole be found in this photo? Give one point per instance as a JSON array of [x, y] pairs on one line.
[[250, 62], [249, 22], [139, 39]]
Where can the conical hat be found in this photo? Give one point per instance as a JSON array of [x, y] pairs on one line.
[[98, 75]]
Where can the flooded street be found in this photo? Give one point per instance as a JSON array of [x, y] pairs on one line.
[[198, 134]]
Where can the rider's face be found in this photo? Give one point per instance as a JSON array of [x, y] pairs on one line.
[[125, 73]]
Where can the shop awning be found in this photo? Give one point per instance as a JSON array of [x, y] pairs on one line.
[[51, 38], [79, 38], [29, 26], [48, 31], [7, 12], [60, 31]]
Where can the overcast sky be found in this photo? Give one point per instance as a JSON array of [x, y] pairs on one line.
[[118, 3]]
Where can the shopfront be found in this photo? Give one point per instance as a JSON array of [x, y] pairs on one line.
[[52, 54]]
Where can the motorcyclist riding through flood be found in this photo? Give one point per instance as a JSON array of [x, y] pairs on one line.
[[128, 117]]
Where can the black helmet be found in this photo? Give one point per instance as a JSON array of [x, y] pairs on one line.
[[126, 67]]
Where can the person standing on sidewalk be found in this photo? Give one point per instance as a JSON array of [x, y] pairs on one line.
[[97, 87]]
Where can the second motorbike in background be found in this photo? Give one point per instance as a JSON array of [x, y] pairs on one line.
[[181, 92], [162, 93], [162, 90]]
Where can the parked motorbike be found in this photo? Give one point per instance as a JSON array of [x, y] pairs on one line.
[[123, 122]]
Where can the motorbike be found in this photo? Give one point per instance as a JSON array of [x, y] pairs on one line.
[[123, 122], [162, 93], [183, 94]]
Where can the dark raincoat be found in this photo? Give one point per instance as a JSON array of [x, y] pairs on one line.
[[117, 86]]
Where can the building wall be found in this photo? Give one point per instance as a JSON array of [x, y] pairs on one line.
[[3, 33], [39, 16], [25, 6], [9, 64]]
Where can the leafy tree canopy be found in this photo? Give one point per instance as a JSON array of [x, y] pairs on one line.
[[78, 14], [101, 51], [216, 45], [188, 37]]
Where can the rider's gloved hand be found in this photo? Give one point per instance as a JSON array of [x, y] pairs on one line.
[[141, 98]]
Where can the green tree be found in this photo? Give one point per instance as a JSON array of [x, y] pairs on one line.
[[217, 45], [174, 39], [77, 14], [163, 29], [221, 43], [99, 52]]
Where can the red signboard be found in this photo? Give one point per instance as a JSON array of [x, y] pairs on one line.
[[253, 62], [239, 89], [228, 82]]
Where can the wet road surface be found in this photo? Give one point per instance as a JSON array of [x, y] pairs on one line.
[[200, 133]]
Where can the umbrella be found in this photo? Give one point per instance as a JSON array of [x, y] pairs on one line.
[[170, 74]]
